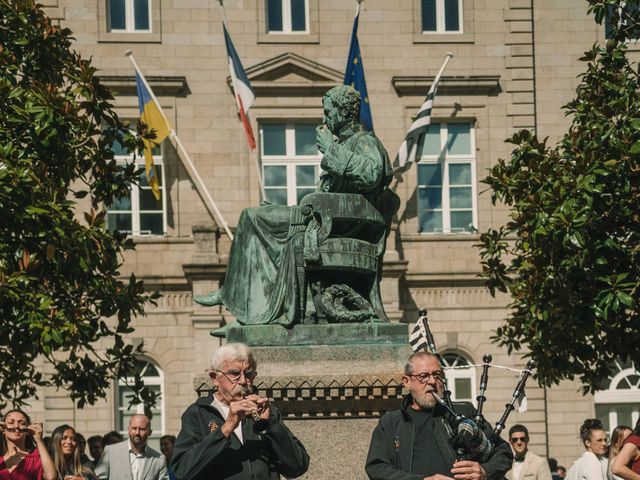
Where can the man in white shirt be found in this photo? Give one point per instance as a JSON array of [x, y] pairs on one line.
[[133, 459], [526, 464]]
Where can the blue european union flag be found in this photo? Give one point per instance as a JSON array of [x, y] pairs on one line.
[[354, 76]]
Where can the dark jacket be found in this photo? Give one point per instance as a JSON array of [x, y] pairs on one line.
[[390, 452], [202, 452]]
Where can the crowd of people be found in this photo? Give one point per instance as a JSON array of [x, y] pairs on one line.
[[617, 459], [234, 434], [28, 455]]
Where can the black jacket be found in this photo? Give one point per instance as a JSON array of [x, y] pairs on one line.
[[391, 449], [202, 452]]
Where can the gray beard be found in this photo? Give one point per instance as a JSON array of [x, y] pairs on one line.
[[425, 400]]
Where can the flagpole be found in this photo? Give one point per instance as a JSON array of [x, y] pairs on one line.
[[436, 80], [184, 157], [446, 60], [397, 171], [253, 153]]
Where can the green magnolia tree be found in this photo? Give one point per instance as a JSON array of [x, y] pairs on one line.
[[64, 311], [570, 254]]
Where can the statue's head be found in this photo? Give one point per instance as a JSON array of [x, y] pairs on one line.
[[341, 107]]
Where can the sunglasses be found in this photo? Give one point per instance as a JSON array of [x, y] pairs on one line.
[[518, 439]]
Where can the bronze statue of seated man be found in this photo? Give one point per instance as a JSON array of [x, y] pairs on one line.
[[261, 285]]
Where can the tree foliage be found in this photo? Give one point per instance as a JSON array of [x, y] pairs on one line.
[[64, 309], [570, 254]]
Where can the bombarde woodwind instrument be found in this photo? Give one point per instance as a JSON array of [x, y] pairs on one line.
[[517, 393], [260, 425], [484, 378]]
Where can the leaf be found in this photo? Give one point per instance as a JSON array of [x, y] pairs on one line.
[[625, 299], [635, 149]]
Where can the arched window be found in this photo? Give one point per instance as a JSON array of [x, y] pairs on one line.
[[152, 377], [619, 403], [461, 381]]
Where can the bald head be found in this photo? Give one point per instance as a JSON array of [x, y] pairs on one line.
[[139, 431]]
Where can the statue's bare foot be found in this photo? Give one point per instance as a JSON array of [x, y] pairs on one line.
[[209, 300]]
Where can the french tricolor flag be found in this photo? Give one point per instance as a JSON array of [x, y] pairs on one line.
[[241, 87]]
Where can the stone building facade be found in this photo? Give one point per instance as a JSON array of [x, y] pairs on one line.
[[515, 64]]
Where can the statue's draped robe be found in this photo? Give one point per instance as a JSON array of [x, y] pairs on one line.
[[261, 282]]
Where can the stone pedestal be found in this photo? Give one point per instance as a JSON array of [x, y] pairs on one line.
[[331, 397], [327, 334]]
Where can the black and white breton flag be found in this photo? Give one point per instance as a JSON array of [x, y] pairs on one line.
[[418, 338], [412, 143]]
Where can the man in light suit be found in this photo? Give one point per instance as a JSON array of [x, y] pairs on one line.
[[526, 465], [133, 459]]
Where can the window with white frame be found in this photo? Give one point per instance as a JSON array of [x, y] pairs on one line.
[[628, 14], [290, 161], [460, 381], [287, 16], [131, 16], [153, 378], [441, 16], [139, 213], [619, 403], [446, 179]]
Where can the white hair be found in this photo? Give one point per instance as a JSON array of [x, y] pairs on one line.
[[232, 351]]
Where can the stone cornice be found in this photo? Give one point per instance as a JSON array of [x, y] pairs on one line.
[[452, 85], [171, 86], [204, 271]]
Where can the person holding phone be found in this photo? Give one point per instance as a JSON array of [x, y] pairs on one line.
[[24, 454]]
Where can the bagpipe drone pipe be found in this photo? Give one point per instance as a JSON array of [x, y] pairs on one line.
[[470, 437]]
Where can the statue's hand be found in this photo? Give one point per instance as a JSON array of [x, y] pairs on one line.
[[324, 138]]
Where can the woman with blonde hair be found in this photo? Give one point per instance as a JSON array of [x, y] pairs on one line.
[[64, 450], [626, 465], [24, 455], [619, 434]]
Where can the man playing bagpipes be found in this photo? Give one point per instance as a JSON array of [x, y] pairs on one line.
[[429, 438]]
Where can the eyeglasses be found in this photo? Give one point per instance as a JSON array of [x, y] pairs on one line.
[[518, 439], [424, 377], [234, 375]]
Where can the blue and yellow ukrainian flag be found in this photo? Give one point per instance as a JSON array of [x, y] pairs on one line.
[[354, 76], [151, 115]]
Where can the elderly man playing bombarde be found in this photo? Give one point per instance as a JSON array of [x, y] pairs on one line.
[[217, 439]]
